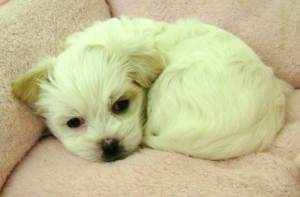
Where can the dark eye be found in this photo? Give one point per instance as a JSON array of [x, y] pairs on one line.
[[75, 122], [120, 106]]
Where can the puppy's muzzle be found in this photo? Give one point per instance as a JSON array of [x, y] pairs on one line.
[[111, 149]]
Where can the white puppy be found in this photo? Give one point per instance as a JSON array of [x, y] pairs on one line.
[[213, 99]]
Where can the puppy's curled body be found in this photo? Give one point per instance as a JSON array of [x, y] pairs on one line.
[[209, 95], [215, 99]]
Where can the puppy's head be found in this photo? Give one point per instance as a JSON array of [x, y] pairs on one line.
[[92, 97]]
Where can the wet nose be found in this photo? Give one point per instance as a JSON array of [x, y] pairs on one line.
[[111, 149]]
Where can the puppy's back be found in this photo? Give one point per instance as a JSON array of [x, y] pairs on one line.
[[215, 99]]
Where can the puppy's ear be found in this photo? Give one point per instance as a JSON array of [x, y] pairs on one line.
[[145, 66], [26, 87]]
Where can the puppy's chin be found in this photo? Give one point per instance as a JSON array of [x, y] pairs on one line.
[[82, 150], [91, 150], [94, 155]]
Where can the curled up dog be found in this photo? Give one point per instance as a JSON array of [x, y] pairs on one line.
[[184, 87]]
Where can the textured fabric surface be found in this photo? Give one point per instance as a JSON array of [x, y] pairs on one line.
[[270, 27], [3, 1], [49, 170], [31, 30]]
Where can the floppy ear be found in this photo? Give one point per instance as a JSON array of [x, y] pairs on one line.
[[145, 66], [26, 87]]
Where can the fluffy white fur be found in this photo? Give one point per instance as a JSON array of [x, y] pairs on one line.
[[213, 99]]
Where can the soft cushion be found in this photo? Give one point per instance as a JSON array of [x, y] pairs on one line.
[[270, 27], [3, 1], [49, 170], [30, 30]]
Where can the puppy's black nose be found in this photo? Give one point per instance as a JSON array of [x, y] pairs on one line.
[[111, 149]]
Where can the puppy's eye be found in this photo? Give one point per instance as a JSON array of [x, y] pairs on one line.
[[75, 122], [120, 106]]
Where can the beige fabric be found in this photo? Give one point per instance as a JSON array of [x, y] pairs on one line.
[[270, 27], [3, 1], [30, 30], [49, 170]]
